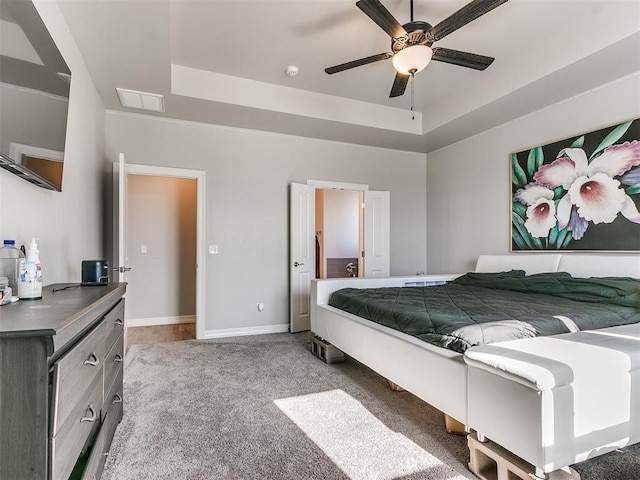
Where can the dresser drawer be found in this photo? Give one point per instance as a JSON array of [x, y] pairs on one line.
[[113, 365], [112, 414], [74, 372], [114, 321], [100, 450], [114, 395], [113, 400], [73, 433], [96, 460]]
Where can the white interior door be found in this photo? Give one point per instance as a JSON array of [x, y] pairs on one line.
[[377, 233], [302, 254], [120, 210], [118, 255]]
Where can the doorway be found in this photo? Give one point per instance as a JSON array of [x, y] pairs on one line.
[[374, 255], [160, 248], [339, 233], [160, 232]]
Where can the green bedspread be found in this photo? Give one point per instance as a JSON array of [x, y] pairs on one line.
[[482, 308]]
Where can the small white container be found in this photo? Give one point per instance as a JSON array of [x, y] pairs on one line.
[[30, 276]]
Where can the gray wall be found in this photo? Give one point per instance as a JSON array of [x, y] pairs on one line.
[[468, 183], [161, 215], [248, 174], [68, 224]]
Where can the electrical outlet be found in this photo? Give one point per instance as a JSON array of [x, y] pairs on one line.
[[213, 249]]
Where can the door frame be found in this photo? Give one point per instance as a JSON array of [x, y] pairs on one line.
[[199, 176], [329, 185], [316, 184], [352, 187]]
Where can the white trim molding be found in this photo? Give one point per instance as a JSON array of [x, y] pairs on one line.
[[148, 322], [239, 332], [329, 185], [17, 150]]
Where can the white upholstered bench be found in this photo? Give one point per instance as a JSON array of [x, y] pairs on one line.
[[558, 400]]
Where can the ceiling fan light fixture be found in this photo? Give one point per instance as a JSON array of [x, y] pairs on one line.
[[412, 59]]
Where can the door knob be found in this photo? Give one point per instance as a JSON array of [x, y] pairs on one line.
[[122, 269], [296, 264]]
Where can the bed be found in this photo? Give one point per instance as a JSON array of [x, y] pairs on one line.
[[437, 375], [481, 308]]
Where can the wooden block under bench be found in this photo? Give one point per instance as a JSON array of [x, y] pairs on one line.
[[489, 461]]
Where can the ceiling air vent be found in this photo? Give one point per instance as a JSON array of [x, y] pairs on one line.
[[142, 100]]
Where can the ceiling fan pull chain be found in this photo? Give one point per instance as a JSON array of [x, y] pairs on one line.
[[413, 115]]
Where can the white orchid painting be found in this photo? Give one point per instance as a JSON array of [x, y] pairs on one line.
[[579, 194]]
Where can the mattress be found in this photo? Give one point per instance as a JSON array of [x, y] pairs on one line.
[[481, 308]]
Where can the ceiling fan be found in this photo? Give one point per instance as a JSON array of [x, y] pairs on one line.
[[411, 43]]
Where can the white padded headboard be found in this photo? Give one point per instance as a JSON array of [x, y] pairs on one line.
[[600, 265], [529, 262], [578, 265]]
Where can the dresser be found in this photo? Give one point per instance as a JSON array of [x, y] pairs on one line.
[[61, 360]]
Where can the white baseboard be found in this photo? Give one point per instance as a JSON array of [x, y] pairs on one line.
[[148, 322], [238, 332]]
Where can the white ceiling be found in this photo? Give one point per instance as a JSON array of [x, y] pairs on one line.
[[223, 62]]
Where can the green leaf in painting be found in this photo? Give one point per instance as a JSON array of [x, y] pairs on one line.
[[537, 243], [517, 239], [578, 142], [612, 138], [566, 240], [562, 234], [519, 208], [518, 224], [518, 176], [557, 192], [534, 160], [553, 236], [633, 189]]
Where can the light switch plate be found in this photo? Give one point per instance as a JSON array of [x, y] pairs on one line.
[[213, 249], [143, 249]]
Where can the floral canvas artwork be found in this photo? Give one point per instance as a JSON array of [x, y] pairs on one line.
[[582, 193]]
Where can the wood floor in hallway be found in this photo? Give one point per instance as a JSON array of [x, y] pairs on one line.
[[161, 333]]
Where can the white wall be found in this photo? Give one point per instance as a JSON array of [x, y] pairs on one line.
[[68, 224], [247, 175], [468, 183]]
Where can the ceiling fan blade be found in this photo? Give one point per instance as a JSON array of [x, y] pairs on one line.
[[379, 14], [399, 85], [358, 63], [466, 14], [463, 59]]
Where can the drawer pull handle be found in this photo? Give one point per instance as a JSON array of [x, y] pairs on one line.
[[117, 399], [119, 322], [92, 360], [92, 415], [117, 358]]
